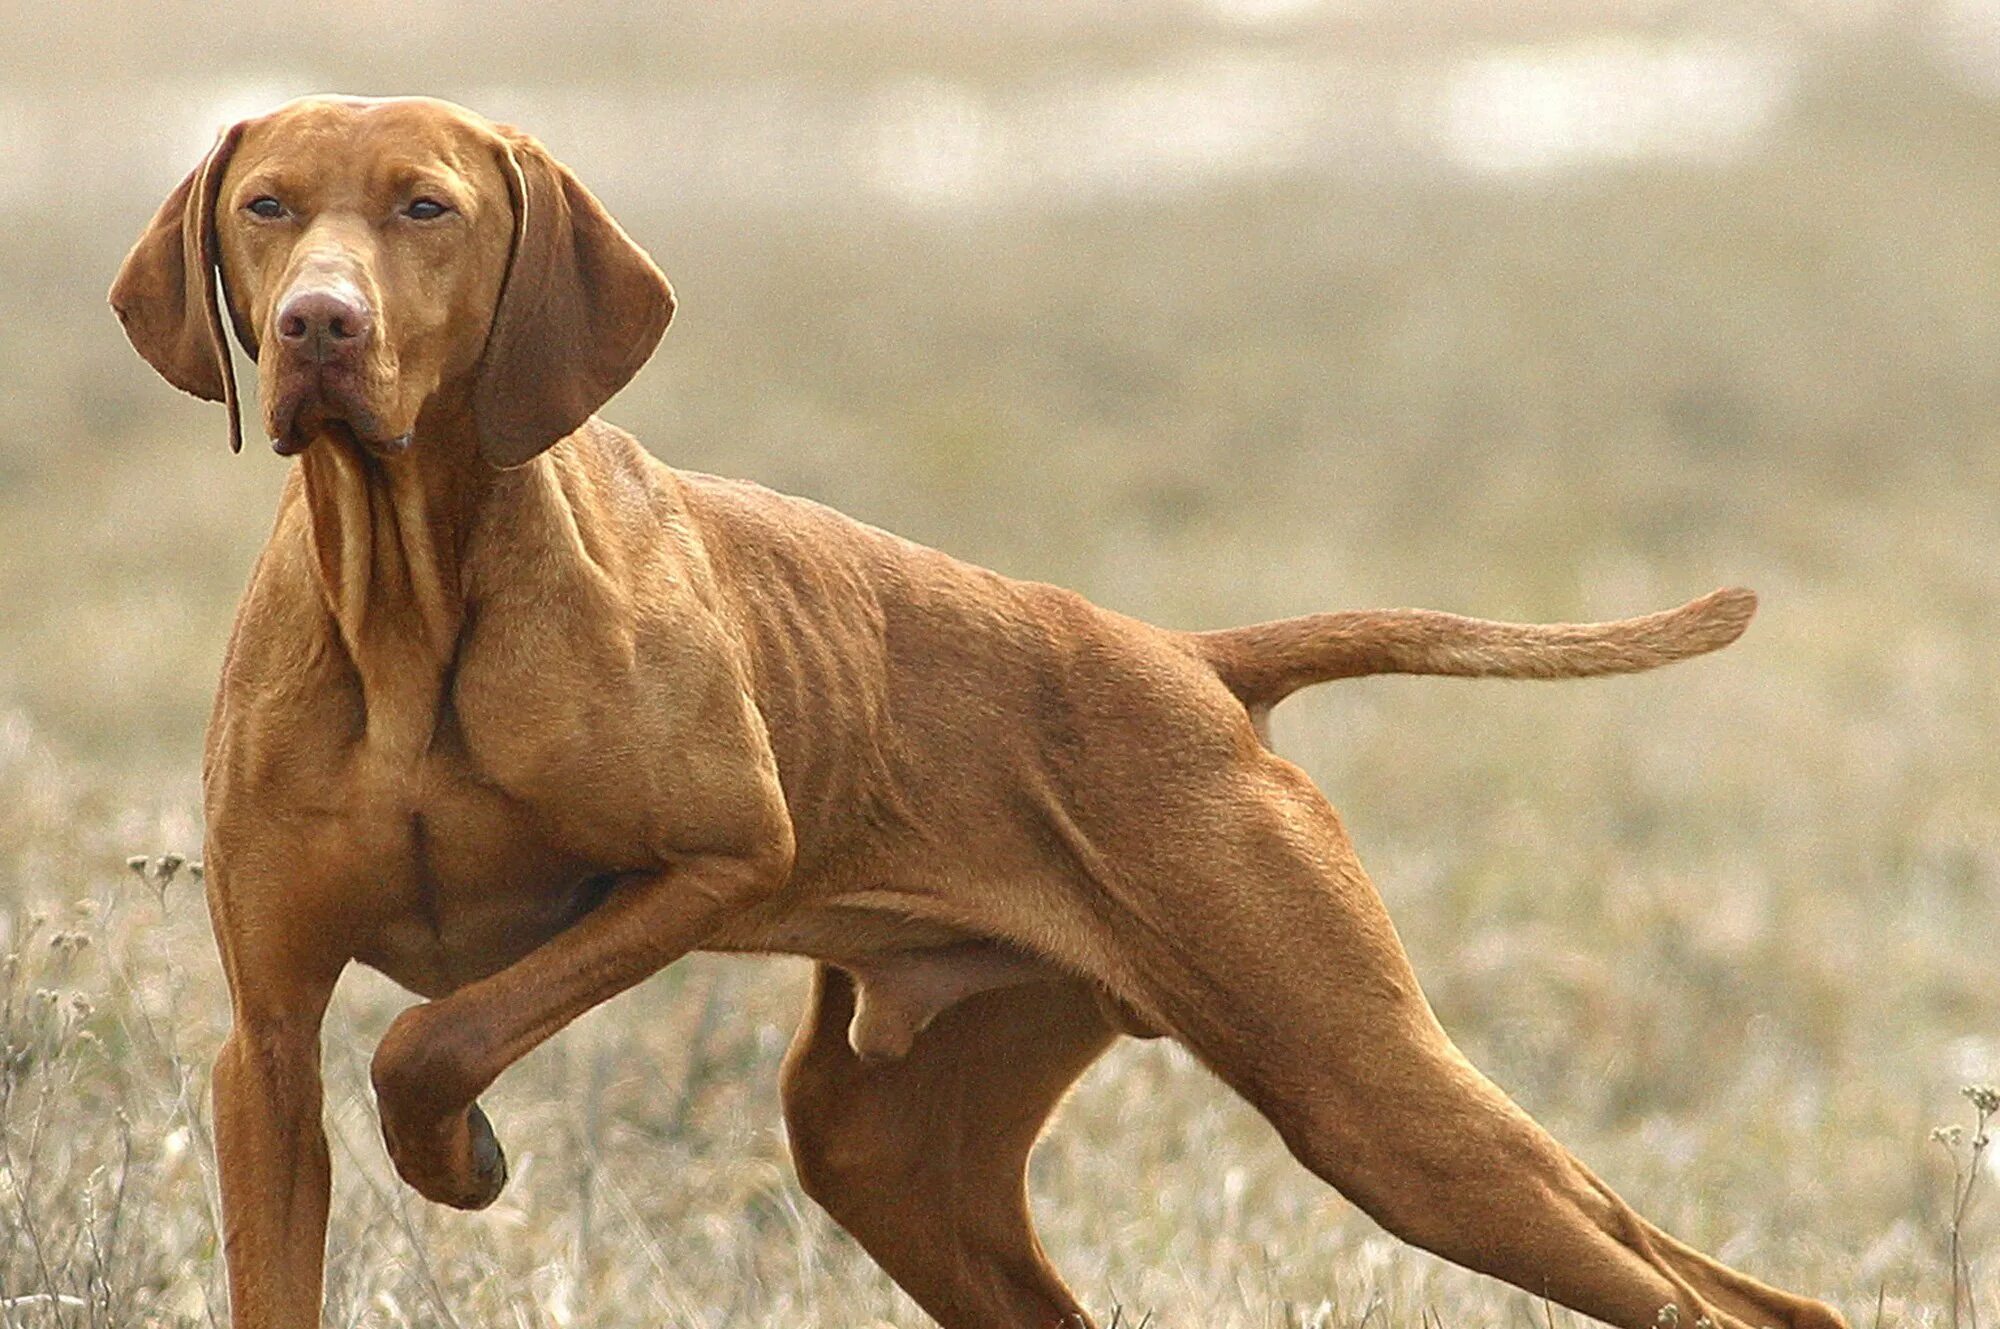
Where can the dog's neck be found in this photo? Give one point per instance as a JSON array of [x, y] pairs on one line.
[[389, 539]]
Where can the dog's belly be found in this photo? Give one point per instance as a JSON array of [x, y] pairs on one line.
[[830, 930]]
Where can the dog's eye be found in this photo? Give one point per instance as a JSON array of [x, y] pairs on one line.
[[266, 207], [425, 209]]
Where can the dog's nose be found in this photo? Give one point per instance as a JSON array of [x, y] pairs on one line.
[[327, 323]]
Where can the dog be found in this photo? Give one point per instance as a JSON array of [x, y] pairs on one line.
[[517, 715]]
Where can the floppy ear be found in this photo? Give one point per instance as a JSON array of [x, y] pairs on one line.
[[581, 309], [165, 294]]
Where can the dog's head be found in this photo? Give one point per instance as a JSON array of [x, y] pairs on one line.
[[381, 259]]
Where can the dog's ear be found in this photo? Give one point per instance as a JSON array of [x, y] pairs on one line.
[[581, 309], [165, 293]]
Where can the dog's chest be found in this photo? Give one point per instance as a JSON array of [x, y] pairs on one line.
[[462, 878]]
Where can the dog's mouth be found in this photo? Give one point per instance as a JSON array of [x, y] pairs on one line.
[[317, 401]]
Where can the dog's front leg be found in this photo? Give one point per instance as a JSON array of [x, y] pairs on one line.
[[270, 1144], [271, 1149], [438, 1057]]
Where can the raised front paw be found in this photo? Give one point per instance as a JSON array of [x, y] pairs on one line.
[[458, 1162], [441, 1143]]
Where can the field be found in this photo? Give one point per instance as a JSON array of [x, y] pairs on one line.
[[1214, 312]]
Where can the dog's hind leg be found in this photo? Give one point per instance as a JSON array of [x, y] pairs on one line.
[[924, 1159], [1265, 948]]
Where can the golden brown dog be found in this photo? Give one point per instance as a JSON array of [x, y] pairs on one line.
[[518, 716]]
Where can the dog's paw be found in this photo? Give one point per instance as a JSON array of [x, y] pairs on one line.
[[459, 1164], [488, 1173]]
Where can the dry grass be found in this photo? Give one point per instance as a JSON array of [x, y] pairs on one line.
[[1729, 930]]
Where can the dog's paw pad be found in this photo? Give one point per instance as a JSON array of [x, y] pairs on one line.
[[489, 1163]]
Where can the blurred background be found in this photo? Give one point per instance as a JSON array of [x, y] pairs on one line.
[[1214, 310]]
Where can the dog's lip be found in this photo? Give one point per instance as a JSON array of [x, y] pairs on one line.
[[295, 441], [334, 391]]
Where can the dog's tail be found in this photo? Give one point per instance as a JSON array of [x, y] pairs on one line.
[[1267, 662]]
